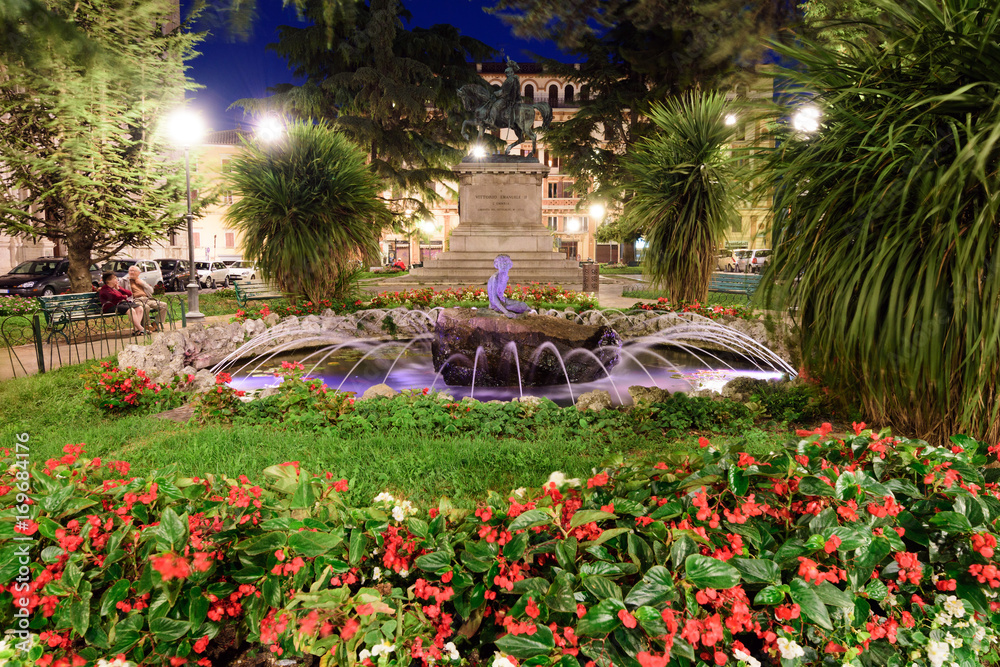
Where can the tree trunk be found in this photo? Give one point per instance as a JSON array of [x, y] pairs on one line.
[[78, 253], [628, 252]]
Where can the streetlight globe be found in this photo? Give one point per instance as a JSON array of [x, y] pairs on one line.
[[185, 127], [597, 211], [478, 151], [270, 129], [731, 119], [573, 224], [806, 119]]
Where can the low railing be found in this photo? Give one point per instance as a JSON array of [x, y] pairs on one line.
[[34, 346]]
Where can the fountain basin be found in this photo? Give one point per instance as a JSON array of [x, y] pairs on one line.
[[486, 349]]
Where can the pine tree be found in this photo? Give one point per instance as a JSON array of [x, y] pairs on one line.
[[391, 90], [81, 162]]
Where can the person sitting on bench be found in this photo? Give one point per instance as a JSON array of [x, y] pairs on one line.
[[144, 295], [119, 300]]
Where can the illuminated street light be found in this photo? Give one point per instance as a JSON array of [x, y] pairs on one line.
[[731, 119], [806, 119], [572, 224], [270, 129], [186, 129], [597, 211], [478, 151]]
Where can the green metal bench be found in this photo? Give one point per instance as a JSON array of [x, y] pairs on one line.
[[734, 283], [62, 310], [255, 292]]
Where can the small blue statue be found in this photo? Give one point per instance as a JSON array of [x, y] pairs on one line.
[[497, 285]]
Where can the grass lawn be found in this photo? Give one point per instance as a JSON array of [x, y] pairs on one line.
[[53, 409]]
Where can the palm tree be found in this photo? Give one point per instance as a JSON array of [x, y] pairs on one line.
[[685, 187], [309, 210], [886, 234]]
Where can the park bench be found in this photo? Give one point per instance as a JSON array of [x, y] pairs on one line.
[[62, 310], [246, 292], [734, 283]]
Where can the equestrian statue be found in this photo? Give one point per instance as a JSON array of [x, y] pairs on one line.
[[498, 108]]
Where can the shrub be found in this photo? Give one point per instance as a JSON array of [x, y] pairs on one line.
[[705, 310], [864, 550], [119, 390], [219, 404], [17, 305], [535, 294]]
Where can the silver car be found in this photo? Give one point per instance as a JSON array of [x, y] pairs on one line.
[[212, 274], [753, 261]]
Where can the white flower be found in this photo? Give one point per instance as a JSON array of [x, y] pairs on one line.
[[980, 634], [520, 492], [379, 649], [501, 660], [791, 650], [404, 573], [398, 514], [364, 655], [937, 653], [746, 657], [556, 478], [403, 510], [955, 642], [384, 497], [954, 606], [117, 662], [452, 651]]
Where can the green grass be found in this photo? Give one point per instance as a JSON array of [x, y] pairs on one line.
[[52, 408], [369, 275], [624, 271]]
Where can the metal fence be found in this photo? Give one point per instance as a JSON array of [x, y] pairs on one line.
[[38, 342]]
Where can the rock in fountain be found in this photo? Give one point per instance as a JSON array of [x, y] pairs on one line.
[[494, 349]]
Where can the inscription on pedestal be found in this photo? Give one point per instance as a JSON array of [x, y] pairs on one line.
[[499, 203]]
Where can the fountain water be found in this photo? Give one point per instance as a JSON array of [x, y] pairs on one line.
[[677, 357]]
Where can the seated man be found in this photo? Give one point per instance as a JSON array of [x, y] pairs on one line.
[[144, 295], [115, 299]]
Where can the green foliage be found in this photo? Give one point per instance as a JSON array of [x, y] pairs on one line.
[[83, 158], [790, 404], [121, 390], [885, 232], [309, 208], [391, 90], [686, 187], [873, 548]]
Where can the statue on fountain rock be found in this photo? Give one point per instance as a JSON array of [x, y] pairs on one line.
[[497, 285]]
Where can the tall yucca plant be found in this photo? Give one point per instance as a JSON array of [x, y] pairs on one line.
[[685, 188], [886, 235], [309, 208]]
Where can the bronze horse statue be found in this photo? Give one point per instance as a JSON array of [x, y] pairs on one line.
[[478, 99]]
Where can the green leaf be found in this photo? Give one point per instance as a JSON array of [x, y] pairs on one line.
[[812, 606], [530, 519], [587, 516], [651, 621], [952, 522], [769, 595], [739, 481], [600, 619], [266, 543], [114, 595], [705, 572], [358, 545], [566, 554], [877, 590], [814, 486], [528, 646], [606, 535], [174, 529], [681, 549], [79, 616], [602, 588], [168, 629], [311, 544], [560, 594], [304, 497], [434, 561], [833, 596], [657, 586], [757, 571]]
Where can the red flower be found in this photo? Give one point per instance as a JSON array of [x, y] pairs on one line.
[[597, 480], [627, 619], [349, 629], [832, 544], [171, 566], [200, 645], [650, 660], [703, 442], [531, 609]]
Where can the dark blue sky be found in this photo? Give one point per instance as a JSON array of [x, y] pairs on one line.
[[230, 70]]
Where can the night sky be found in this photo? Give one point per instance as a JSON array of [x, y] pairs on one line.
[[230, 70]]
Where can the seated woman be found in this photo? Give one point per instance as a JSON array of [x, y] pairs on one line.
[[144, 295], [496, 287], [119, 300]]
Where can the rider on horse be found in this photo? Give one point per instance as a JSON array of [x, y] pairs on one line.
[[507, 98]]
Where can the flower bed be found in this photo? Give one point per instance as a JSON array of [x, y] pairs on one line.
[[864, 550], [705, 310], [534, 294], [18, 305]]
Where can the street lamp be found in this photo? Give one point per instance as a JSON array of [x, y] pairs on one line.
[[478, 151], [806, 119], [270, 129], [186, 128]]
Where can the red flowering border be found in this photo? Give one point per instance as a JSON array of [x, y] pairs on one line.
[[864, 548]]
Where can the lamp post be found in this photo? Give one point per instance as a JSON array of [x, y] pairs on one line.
[[597, 212], [186, 128]]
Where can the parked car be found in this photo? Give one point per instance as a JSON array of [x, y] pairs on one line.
[[752, 261], [212, 274], [175, 274], [242, 270], [726, 261], [149, 270], [44, 276]]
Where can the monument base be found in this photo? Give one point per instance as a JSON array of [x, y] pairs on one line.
[[500, 211]]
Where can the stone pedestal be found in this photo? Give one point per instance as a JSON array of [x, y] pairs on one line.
[[500, 212]]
